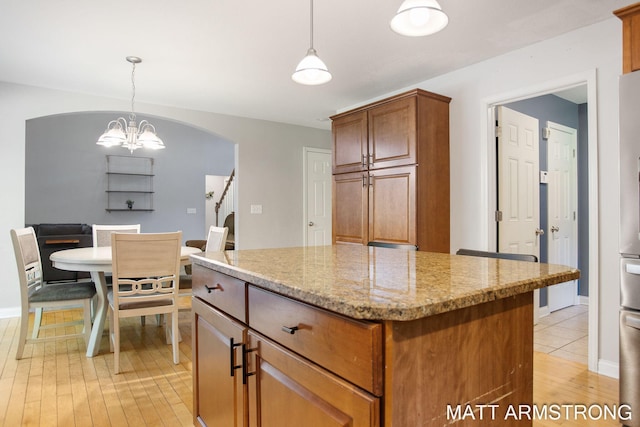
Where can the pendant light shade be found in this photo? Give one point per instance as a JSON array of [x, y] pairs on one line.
[[311, 70], [419, 18], [131, 135]]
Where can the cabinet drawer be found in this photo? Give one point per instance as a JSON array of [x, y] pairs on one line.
[[223, 292], [349, 348]]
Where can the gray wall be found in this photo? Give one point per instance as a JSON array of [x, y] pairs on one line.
[[552, 108], [65, 177]]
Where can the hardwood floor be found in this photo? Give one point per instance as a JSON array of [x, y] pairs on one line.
[[56, 385]]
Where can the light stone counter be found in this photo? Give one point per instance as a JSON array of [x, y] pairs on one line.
[[384, 284]]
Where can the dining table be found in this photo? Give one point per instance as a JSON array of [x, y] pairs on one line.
[[97, 261]]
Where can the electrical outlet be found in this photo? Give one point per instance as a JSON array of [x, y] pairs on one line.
[[256, 209], [191, 210]]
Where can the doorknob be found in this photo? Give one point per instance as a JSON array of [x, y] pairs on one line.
[[310, 223], [554, 228], [539, 232]]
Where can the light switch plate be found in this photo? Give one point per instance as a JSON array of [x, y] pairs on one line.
[[191, 210], [256, 209]]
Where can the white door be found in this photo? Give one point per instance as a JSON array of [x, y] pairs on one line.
[[518, 183], [562, 209], [317, 221]]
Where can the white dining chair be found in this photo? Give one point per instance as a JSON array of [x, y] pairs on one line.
[[34, 294], [102, 233], [216, 241], [146, 272], [216, 238]]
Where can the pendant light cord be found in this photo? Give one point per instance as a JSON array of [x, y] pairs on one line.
[[311, 26]]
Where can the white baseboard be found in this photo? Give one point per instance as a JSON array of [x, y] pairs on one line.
[[6, 313], [543, 311], [582, 300], [608, 368]]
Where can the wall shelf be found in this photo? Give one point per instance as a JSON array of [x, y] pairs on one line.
[[129, 178]]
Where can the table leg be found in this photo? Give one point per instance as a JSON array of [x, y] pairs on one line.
[[101, 313]]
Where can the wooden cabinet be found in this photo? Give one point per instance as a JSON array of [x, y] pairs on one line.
[[391, 172], [219, 398], [261, 359], [292, 392], [630, 16], [350, 152]]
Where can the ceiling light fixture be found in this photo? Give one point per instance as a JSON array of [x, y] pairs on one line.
[[311, 70], [131, 136], [419, 18]]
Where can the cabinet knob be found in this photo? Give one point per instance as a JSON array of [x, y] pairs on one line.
[[311, 224]]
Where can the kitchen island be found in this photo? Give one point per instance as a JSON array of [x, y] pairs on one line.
[[362, 336]]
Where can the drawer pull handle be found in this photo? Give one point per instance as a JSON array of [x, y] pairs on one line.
[[232, 353], [245, 363], [290, 330], [214, 288]]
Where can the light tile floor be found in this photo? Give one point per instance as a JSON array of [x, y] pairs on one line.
[[564, 333]]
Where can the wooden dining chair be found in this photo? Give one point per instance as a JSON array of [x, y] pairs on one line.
[[216, 241], [102, 233], [146, 271], [216, 238], [102, 238], [34, 294]]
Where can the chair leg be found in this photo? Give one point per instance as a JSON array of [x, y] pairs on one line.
[[24, 326], [116, 344], [110, 331], [37, 321], [143, 320], [174, 337], [88, 304]]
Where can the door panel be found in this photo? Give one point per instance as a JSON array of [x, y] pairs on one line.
[[392, 134], [292, 392], [350, 199], [562, 209], [350, 142], [518, 182], [318, 195], [218, 396], [392, 205]]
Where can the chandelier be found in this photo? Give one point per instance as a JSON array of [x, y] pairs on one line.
[[131, 135]]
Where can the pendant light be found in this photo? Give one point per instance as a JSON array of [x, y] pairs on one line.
[[131, 135], [311, 70], [419, 18]]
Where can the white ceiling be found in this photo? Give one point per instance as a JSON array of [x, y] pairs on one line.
[[236, 56]]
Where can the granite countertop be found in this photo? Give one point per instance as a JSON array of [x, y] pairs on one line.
[[384, 284]]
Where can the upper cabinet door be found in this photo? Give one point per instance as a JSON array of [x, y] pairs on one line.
[[350, 142], [392, 134]]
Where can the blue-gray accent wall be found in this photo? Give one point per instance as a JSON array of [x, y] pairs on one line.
[[65, 178], [555, 109]]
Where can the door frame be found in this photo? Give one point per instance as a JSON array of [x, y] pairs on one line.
[[488, 180], [305, 195]]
